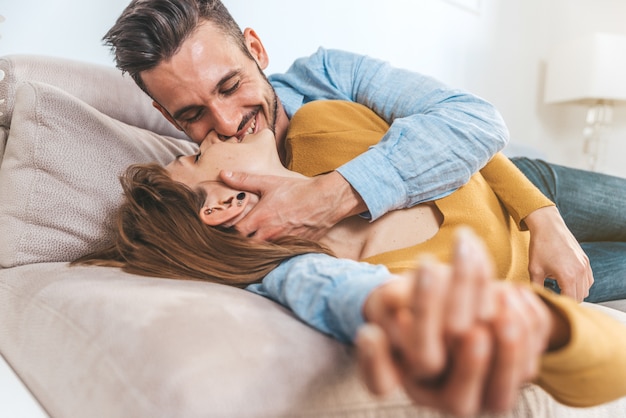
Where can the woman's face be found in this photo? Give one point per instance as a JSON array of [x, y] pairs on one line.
[[255, 154]]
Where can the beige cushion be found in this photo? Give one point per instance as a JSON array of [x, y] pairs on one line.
[[60, 167], [96, 342], [103, 88], [4, 133], [4, 130]]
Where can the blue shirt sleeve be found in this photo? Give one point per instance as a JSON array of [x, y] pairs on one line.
[[438, 138], [323, 291]]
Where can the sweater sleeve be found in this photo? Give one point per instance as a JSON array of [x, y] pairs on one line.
[[591, 368], [514, 190]]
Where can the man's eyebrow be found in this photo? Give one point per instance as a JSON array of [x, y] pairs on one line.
[[223, 80]]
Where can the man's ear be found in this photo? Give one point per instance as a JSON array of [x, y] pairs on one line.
[[256, 48], [166, 114]]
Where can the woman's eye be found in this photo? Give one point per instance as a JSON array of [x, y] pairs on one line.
[[195, 160]]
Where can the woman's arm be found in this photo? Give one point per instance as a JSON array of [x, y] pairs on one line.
[[590, 369], [514, 190], [554, 252]]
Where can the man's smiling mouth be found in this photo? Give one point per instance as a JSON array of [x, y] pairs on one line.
[[252, 125], [251, 129]]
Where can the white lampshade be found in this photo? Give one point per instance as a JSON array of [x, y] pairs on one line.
[[588, 69]]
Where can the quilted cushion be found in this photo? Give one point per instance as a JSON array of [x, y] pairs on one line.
[[60, 168]]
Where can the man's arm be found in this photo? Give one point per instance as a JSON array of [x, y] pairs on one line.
[[437, 139], [438, 136]]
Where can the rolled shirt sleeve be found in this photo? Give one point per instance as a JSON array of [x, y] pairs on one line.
[[438, 137], [325, 292]]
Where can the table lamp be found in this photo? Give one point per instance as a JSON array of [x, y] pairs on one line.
[[591, 71]]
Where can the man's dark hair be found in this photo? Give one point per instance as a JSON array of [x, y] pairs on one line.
[[149, 32]]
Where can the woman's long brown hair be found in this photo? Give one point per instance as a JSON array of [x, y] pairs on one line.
[[159, 233]]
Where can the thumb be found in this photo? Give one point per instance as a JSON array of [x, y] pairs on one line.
[[243, 181]]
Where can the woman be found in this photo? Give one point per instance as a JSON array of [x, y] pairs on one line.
[[189, 232]]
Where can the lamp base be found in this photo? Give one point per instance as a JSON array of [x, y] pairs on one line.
[[599, 117]]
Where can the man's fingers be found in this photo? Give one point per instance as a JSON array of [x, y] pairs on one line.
[[509, 367], [468, 375], [258, 224], [471, 273], [537, 313], [461, 390], [424, 340], [243, 181], [374, 359], [410, 312]]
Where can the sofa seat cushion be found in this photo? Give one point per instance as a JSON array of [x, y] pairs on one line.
[[94, 341]]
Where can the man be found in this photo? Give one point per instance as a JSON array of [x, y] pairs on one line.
[[206, 77]]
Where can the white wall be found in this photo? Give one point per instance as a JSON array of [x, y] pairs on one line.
[[562, 124], [522, 35], [68, 28], [408, 33], [495, 50]]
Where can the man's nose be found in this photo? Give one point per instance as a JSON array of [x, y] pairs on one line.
[[225, 122]]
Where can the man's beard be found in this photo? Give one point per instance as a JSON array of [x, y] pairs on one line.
[[273, 106]]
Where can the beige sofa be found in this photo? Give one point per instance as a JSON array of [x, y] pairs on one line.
[[96, 342]]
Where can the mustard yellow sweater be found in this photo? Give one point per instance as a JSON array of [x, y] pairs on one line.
[[591, 368]]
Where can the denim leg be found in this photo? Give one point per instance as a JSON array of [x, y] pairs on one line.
[[608, 263], [593, 205]]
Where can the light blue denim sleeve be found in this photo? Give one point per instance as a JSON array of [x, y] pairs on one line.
[[439, 137], [325, 292]]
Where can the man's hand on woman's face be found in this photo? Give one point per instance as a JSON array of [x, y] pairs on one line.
[[453, 338], [303, 207]]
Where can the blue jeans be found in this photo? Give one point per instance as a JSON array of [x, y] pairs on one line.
[[593, 206]]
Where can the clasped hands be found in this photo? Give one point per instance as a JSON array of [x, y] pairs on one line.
[[452, 337]]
